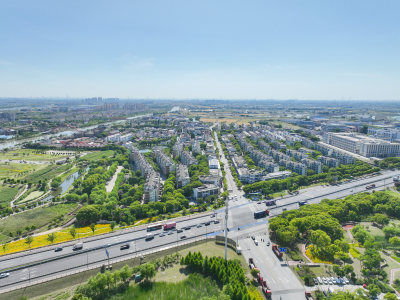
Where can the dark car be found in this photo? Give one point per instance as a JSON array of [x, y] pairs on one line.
[[183, 237], [188, 228], [207, 223], [124, 247], [179, 230], [58, 249], [216, 222]]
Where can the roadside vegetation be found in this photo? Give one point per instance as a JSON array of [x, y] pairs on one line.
[[374, 234]]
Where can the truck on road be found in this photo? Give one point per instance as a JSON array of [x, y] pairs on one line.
[[368, 187], [169, 226], [77, 246], [264, 286], [261, 214], [276, 251], [270, 202]]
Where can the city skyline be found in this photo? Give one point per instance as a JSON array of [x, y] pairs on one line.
[[207, 50]]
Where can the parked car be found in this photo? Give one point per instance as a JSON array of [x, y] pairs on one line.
[[315, 281]]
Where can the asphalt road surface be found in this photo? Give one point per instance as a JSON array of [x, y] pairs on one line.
[[241, 224]]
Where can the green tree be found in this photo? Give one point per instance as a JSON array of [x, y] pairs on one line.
[[51, 237], [390, 296], [87, 215], [147, 271], [29, 240], [92, 227], [72, 232], [125, 273], [394, 241], [4, 246], [112, 225]]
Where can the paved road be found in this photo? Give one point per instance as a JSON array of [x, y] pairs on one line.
[[136, 240], [241, 224]]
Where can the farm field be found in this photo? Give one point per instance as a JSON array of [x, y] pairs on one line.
[[30, 154], [7, 194], [37, 217]]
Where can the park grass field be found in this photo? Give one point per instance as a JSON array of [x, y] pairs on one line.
[[37, 217], [18, 171], [31, 196], [47, 173], [196, 286], [7, 194], [97, 155], [30, 154]]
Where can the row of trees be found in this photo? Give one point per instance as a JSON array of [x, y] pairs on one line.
[[103, 285], [229, 273], [294, 182]]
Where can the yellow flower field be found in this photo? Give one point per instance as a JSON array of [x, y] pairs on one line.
[[60, 237], [314, 259]]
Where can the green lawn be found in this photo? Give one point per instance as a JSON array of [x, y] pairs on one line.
[[195, 287], [7, 194], [98, 155], [38, 217], [17, 171], [32, 196], [47, 173], [30, 154]]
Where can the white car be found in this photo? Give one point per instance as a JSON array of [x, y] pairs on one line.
[[4, 275], [256, 242]]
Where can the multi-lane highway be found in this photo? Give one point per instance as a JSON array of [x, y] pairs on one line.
[[44, 263]]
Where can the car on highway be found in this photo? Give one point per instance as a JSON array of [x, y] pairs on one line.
[[256, 242], [212, 216], [183, 237], [253, 237], [170, 233], [207, 223], [216, 222], [58, 249], [124, 247], [187, 228], [161, 234], [199, 225], [4, 275], [179, 230], [268, 243]]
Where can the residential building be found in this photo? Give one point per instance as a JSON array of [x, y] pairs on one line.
[[205, 191], [152, 187], [213, 162], [182, 176], [165, 162], [211, 179], [187, 158]]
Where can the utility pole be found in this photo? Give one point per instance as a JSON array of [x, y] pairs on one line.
[[226, 229]]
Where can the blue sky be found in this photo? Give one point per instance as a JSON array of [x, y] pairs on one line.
[[255, 49]]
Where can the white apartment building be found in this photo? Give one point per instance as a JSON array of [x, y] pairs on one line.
[[363, 145]]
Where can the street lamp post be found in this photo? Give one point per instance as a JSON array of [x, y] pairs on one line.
[[226, 228]]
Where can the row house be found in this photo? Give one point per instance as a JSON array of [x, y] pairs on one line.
[[314, 165], [329, 161], [165, 162], [152, 187], [296, 167], [141, 163], [182, 176], [297, 155], [177, 149], [187, 158]]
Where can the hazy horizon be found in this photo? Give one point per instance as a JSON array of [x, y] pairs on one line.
[[200, 50]]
